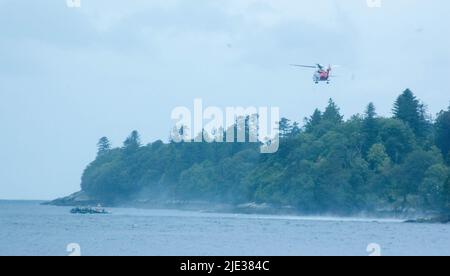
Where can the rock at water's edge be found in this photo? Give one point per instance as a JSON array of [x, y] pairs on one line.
[[441, 219], [76, 199]]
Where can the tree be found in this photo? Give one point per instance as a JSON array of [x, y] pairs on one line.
[[370, 128], [313, 121], [295, 130], [284, 127], [432, 189], [446, 201], [198, 182], [408, 109], [332, 113], [103, 146], [398, 139], [410, 174], [370, 112], [442, 127], [133, 141], [377, 157]]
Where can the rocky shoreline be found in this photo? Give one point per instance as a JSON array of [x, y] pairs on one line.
[[82, 199], [433, 220], [76, 199]]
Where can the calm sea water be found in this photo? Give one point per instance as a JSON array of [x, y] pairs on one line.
[[27, 228]]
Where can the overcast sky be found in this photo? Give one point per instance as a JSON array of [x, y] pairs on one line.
[[71, 75]]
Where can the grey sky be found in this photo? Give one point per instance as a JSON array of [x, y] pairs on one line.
[[70, 76]]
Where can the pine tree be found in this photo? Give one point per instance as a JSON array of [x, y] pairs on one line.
[[442, 127], [370, 112], [103, 146], [284, 127], [313, 121], [370, 128], [295, 129], [133, 141], [408, 109], [332, 113]]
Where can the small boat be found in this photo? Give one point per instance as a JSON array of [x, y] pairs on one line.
[[89, 211]]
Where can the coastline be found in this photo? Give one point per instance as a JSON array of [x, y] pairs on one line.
[[250, 208]]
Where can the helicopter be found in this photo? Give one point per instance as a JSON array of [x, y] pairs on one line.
[[322, 74]]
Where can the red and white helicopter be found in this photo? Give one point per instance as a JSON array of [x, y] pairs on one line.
[[322, 74]]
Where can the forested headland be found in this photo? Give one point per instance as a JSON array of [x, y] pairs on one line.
[[366, 163]]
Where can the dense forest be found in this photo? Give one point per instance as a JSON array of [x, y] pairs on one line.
[[327, 165]]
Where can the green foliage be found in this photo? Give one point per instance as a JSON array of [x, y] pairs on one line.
[[433, 187], [365, 163], [332, 113], [133, 142], [377, 157], [370, 129], [314, 121], [296, 129], [408, 109], [397, 138], [284, 127], [103, 146], [442, 127], [446, 197], [409, 175]]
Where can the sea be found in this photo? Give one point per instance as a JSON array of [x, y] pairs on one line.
[[28, 228]]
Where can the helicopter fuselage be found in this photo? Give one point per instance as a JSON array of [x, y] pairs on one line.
[[322, 75]]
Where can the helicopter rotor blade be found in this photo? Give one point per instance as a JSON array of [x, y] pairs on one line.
[[304, 66]]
